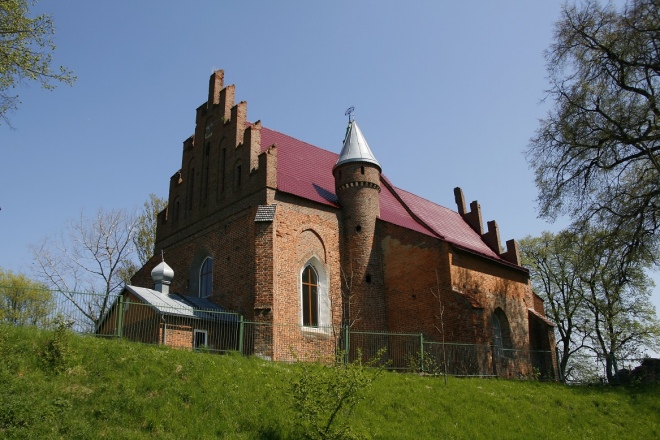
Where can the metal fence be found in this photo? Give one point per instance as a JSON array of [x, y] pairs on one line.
[[585, 367], [220, 332]]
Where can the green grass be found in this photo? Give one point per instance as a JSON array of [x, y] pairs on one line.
[[116, 389]]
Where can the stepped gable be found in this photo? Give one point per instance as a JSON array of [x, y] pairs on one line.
[[305, 170]]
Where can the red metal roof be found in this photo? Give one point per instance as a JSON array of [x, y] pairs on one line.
[[302, 169], [306, 171]]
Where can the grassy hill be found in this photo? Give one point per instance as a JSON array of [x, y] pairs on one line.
[[58, 385]]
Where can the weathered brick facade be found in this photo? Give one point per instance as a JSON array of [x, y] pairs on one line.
[[238, 200]]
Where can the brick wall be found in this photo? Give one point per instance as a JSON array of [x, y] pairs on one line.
[[304, 230], [418, 287], [177, 335], [494, 286]]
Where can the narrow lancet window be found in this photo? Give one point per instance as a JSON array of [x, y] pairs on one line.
[[206, 278], [310, 301]]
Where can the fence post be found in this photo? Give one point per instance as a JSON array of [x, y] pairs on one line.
[[347, 334], [240, 334], [120, 317], [421, 352]]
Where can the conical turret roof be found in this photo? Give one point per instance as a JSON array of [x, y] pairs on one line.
[[356, 148]]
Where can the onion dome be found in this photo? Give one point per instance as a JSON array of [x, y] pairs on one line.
[[162, 275]]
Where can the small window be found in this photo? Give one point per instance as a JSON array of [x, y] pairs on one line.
[[310, 301], [200, 339], [206, 278]]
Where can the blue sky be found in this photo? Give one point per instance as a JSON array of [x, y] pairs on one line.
[[446, 93]]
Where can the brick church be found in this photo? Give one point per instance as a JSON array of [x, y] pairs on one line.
[[285, 233]]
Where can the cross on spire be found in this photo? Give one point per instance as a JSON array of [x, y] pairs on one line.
[[349, 113]]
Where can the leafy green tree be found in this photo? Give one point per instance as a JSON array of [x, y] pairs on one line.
[[145, 236], [554, 264], [622, 320], [597, 153], [26, 52], [24, 301], [598, 295]]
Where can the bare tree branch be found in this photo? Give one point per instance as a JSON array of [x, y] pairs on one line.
[[89, 255]]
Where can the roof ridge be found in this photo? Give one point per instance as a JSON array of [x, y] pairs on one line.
[[424, 198], [415, 217]]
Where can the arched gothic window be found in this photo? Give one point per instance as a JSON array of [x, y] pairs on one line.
[[310, 297], [502, 334], [314, 300], [206, 278]]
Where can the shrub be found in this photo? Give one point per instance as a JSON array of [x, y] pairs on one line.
[[58, 354], [325, 397]]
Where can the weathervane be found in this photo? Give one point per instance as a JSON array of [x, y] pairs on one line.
[[349, 113]]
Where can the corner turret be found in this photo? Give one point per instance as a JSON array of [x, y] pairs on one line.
[[357, 185]]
